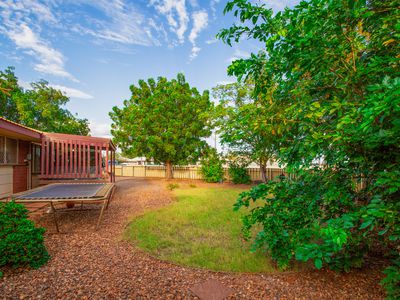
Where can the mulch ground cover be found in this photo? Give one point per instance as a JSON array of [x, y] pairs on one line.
[[89, 264]]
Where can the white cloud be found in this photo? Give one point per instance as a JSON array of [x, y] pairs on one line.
[[22, 11], [211, 41], [125, 24], [100, 129], [21, 21], [213, 6], [50, 60], [71, 92], [279, 5], [200, 21], [225, 82], [195, 51], [176, 14], [238, 54]]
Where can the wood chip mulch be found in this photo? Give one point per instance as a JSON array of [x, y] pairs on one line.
[[89, 264]]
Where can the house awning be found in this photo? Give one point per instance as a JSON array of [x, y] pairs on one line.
[[17, 131]]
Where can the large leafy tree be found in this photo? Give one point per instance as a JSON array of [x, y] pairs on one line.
[[164, 120], [333, 69], [243, 124], [41, 107]]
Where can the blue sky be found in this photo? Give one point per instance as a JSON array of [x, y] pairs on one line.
[[94, 50]]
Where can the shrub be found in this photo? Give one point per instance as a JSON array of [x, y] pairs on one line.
[[239, 174], [392, 280], [211, 167], [192, 185], [172, 186], [21, 243]]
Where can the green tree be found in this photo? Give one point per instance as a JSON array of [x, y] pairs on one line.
[[41, 107], [164, 120], [333, 69], [243, 124], [212, 167]]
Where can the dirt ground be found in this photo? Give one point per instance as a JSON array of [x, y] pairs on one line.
[[89, 264]]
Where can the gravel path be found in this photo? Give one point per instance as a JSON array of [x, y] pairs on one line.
[[86, 264]]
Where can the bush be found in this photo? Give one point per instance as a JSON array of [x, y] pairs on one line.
[[21, 243], [211, 167], [239, 174], [172, 186], [392, 280]]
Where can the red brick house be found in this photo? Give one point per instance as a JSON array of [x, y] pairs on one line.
[[29, 157]]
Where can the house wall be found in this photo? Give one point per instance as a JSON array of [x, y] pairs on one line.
[[6, 181], [14, 178]]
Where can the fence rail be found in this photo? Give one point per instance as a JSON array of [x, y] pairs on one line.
[[186, 172]]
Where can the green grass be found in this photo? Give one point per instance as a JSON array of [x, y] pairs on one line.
[[199, 230]]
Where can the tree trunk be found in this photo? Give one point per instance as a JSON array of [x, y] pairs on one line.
[[168, 174], [263, 170]]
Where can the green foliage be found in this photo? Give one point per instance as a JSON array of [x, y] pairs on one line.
[[21, 243], [211, 167], [239, 174], [330, 72], [238, 170], [242, 123], [392, 280], [172, 186], [164, 120], [41, 107]]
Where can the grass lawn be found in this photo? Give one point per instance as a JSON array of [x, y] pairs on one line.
[[200, 230]]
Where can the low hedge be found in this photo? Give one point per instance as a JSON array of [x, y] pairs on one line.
[[21, 243]]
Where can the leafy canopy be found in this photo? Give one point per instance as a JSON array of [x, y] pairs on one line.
[[331, 70], [243, 123], [164, 120], [41, 107]]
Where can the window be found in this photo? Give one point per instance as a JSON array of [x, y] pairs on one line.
[[8, 150], [36, 149]]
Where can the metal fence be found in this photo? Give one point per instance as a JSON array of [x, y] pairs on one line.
[[186, 172]]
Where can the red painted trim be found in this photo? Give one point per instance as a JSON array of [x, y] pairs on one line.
[[42, 158], [86, 139], [62, 158], [47, 157], [70, 159], [75, 160], [88, 160], [79, 159], [95, 160], [84, 160], [57, 160], [52, 158], [107, 160], [20, 129]]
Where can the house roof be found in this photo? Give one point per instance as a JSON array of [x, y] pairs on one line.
[[15, 130]]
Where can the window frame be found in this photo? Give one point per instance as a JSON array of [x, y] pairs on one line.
[[4, 161]]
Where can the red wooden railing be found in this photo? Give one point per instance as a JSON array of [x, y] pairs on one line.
[[65, 156]]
